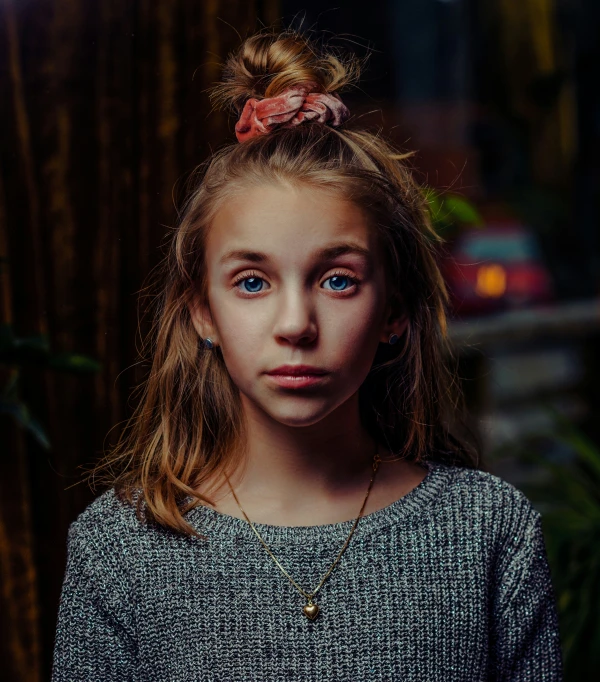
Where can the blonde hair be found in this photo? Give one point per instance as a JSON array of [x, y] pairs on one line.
[[188, 424]]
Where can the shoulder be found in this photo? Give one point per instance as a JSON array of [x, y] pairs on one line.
[[476, 496], [108, 514], [483, 487], [101, 550], [105, 533]]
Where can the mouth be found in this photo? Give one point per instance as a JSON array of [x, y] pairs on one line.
[[296, 380], [297, 370]]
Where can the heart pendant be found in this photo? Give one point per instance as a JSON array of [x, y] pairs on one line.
[[311, 610]]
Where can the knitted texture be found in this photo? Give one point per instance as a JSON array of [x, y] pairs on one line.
[[449, 583]]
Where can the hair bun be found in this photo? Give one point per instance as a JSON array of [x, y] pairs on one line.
[[268, 63]]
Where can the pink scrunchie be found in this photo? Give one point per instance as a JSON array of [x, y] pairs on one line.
[[290, 108]]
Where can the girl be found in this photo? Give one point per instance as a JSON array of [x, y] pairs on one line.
[[291, 501]]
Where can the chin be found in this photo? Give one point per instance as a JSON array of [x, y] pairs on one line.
[[300, 418], [302, 412]]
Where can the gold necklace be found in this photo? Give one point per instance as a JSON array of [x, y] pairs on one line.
[[311, 608]]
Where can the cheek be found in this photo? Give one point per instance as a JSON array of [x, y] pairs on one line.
[[234, 320], [354, 340], [241, 334], [360, 323], [243, 362], [356, 347], [243, 327]]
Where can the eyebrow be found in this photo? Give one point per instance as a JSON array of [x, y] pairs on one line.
[[327, 253]]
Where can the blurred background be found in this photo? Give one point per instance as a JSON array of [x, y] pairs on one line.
[[103, 116]]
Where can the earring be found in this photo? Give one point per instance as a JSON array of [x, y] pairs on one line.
[[393, 338], [208, 343]]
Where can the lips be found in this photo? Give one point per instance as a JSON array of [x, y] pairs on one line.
[[297, 370]]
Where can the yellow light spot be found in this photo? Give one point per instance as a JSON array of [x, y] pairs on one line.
[[491, 281]]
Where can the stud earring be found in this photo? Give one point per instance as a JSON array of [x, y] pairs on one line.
[[393, 338], [208, 343]]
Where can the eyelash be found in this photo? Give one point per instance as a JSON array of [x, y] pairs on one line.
[[251, 275]]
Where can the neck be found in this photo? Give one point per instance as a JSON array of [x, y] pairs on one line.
[[288, 467]]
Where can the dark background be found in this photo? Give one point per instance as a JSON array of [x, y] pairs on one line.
[[103, 116]]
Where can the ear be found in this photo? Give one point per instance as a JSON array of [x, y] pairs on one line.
[[201, 317], [397, 319]]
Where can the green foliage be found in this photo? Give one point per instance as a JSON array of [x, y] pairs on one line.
[[569, 499], [450, 211], [11, 405], [16, 353]]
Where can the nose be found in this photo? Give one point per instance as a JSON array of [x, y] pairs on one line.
[[296, 317]]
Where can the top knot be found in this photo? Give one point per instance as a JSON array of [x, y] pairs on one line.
[[287, 64]]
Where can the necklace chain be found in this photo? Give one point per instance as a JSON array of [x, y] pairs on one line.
[[311, 609]]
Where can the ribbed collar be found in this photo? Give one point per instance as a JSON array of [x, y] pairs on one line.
[[207, 520]]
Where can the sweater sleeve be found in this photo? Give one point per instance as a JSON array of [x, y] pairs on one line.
[[524, 642], [95, 638]]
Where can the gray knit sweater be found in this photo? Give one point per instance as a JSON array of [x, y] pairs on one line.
[[450, 582]]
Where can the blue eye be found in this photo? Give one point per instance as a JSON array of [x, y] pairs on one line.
[[340, 277], [251, 281]]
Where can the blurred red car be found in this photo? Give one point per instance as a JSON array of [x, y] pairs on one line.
[[496, 267]]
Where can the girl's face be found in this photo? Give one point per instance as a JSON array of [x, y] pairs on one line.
[[294, 277]]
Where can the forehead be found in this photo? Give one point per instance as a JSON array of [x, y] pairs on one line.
[[292, 223]]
